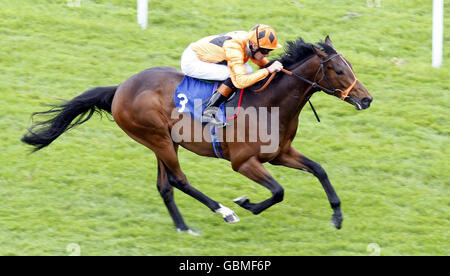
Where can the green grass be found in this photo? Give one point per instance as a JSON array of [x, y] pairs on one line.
[[97, 188]]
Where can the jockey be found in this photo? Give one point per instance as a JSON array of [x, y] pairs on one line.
[[224, 58]]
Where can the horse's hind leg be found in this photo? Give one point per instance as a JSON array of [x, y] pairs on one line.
[[166, 192], [177, 179], [254, 170]]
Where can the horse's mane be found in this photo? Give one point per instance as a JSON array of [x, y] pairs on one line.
[[298, 51]]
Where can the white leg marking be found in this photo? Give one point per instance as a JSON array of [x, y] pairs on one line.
[[228, 215]]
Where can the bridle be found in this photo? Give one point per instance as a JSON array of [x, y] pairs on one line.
[[315, 83], [333, 91]]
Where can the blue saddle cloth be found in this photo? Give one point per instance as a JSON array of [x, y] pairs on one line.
[[192, 95]]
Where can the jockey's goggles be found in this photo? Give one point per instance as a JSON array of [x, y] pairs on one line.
[[264, 51]]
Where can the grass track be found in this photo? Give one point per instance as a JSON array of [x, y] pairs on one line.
[[96, 187]]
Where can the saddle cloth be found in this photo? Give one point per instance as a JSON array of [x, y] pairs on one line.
[[192, 95]]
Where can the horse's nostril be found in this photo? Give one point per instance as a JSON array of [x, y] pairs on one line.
[[366, 101]]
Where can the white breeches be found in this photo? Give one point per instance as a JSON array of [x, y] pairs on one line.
[[192, 66]]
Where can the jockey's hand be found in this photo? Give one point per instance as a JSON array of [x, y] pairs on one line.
[[275, 67]]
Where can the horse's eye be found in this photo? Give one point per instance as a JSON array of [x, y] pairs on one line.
[[339, 72]]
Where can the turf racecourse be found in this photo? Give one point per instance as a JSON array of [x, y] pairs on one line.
[[95, 188]]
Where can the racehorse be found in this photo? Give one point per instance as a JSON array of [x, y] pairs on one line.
[[143, 105]]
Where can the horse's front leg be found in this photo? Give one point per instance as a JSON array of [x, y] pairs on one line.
[[296, 160], [254, 170]]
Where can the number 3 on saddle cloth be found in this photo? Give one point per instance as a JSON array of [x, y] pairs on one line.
[[192, 95]]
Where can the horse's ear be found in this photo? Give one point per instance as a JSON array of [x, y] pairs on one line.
[[320, 53], [328, 41]]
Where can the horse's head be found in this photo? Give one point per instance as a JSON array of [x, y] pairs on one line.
[[338, 78]]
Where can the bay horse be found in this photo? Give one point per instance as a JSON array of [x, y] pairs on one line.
[[143, 104]]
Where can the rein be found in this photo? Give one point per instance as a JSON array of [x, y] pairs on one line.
[[315, 84]]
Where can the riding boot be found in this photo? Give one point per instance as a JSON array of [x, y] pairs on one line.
[[218, 97]]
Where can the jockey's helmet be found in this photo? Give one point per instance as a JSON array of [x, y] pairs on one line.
[[264, 36]]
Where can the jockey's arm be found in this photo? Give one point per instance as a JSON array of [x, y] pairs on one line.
[[239, 76]]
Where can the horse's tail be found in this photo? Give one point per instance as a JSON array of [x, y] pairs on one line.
[[41, 134]]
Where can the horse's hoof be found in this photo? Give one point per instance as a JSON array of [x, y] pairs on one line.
[[233, 218], [337, 221], [188, 231], [228, 215], [241, 200]]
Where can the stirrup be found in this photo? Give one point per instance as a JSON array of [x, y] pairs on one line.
[[209, 116]]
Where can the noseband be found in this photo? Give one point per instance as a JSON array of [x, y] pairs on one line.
[[333, 91]]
